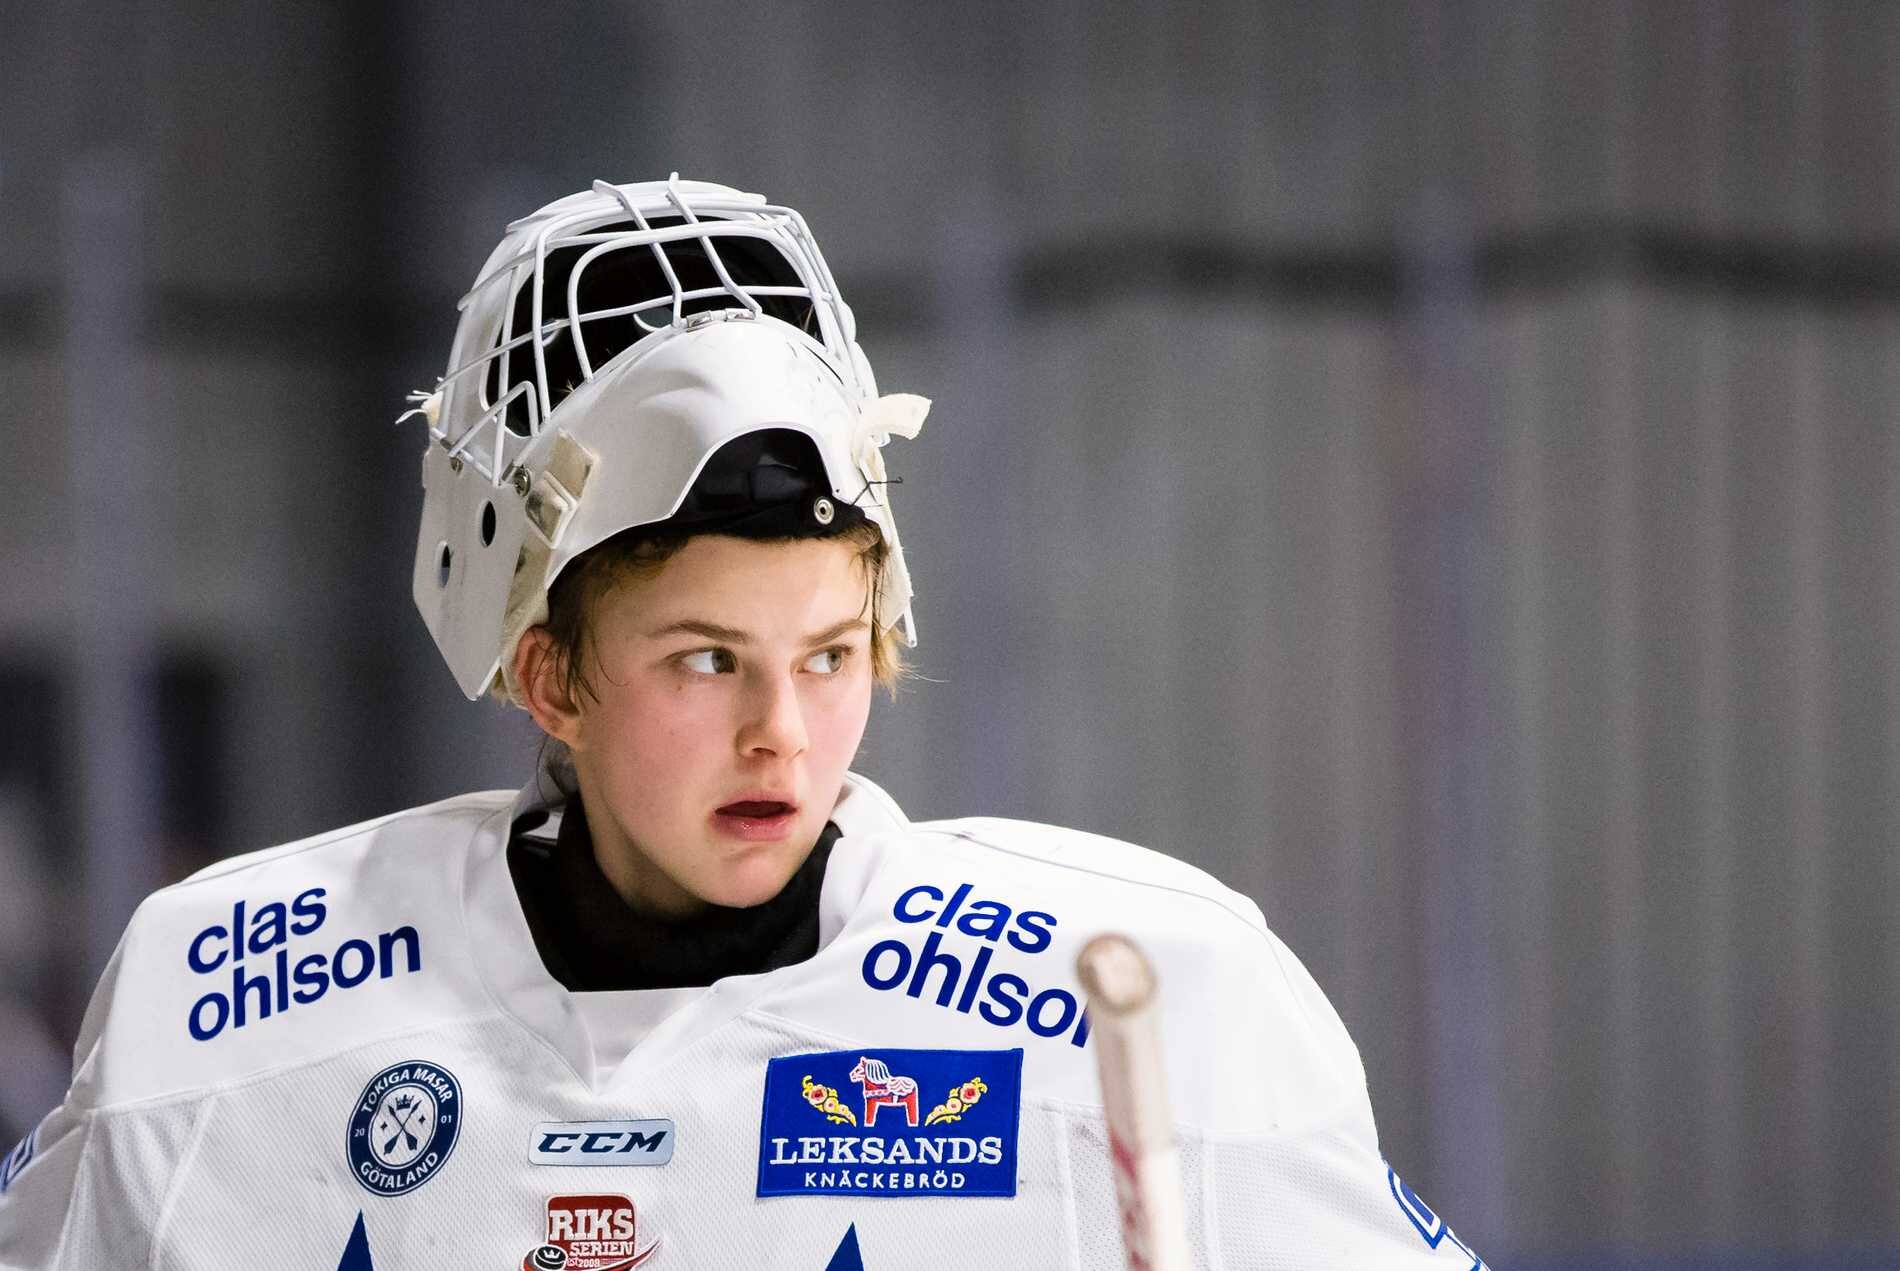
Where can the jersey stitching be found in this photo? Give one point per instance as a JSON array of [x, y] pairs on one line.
[[90, 1117], [501, 1006], [1212, 1243], [800, 1028], [883, 800], [1286, 977], [1230, 910], [131, 1107], [226, 869], [176, 1186], [1065, 1170], [586, 1080]]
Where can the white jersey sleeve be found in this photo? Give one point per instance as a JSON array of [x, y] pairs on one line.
[[1280, 1157], [86, 1188], [38, 1184]]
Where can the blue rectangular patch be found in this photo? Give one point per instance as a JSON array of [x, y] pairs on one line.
[[891, 1123]]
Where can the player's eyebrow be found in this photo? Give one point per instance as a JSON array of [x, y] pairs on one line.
[[732, 635], [709, 630], [833, 632]]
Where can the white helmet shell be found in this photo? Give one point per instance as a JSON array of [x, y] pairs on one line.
[[518, 479]]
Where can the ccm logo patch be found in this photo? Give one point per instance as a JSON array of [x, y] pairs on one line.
[[601, 1143]]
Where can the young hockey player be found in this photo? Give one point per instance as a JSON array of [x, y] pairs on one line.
[[698, 996]]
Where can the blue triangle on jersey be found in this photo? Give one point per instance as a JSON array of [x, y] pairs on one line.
[[847, 1258], [356, 1252]]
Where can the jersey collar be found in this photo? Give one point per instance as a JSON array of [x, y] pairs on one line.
[[504, 950]]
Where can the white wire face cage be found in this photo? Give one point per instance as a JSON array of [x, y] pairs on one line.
[[498, 391], [583, 318]]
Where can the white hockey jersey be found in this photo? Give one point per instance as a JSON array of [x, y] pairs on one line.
[[345, 1053]]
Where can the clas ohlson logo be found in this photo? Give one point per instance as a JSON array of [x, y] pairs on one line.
[[952, 964], [880, 1122], [261, 962]]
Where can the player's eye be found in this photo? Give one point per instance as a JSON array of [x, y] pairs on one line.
[[709, 662], [827, 661]]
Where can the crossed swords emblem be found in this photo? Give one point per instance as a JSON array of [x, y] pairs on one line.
[[401, 1107]]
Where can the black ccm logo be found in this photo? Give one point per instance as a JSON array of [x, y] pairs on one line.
[[601, 1143]]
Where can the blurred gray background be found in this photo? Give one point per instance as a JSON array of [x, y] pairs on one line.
[[1433, 464]]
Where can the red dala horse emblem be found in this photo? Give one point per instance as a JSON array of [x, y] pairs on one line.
[[882, 1089]]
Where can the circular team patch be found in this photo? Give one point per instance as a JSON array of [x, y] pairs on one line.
[[404, 1126]]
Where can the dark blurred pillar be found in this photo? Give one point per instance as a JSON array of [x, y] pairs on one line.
[[111, 529], [977, 316], [1443, 721]]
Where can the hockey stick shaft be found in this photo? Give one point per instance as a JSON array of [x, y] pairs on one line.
[[1123, 1004]]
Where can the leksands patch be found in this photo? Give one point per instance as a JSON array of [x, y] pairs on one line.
[[877, 1122]]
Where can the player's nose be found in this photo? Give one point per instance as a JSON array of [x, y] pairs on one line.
[[774, 723]]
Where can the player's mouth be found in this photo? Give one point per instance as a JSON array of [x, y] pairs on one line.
[[760, 820]]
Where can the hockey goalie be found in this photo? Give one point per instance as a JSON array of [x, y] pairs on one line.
[[698, 996]]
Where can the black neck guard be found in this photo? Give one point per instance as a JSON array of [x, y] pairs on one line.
[[591, 941]]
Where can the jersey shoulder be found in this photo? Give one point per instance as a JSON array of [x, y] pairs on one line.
[[1072, 860], [964, 933], [289, 954]]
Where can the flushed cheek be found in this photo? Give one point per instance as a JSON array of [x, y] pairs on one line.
[[652, 724], [838, 727], [660, 750]]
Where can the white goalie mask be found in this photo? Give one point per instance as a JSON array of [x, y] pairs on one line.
[[615, 341]]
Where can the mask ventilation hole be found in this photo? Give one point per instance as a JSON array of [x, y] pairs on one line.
[[444, 557], [488, 524]]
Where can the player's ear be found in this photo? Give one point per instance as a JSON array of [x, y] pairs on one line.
[[541, 675]]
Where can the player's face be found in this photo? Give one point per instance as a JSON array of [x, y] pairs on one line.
[[733, 689]]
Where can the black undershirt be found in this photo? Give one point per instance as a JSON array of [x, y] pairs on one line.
[[590, 940]]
